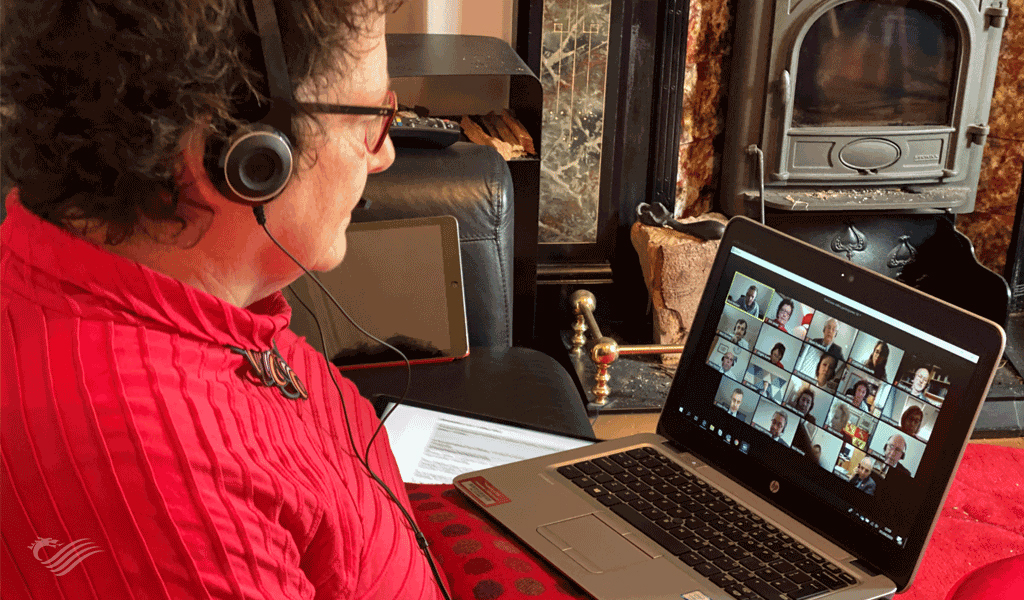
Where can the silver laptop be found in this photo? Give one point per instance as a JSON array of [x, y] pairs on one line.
[[807, 458]]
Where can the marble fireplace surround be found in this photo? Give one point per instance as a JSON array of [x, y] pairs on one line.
[[709, 50]]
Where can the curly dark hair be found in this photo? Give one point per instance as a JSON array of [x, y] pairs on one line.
[[806, 390], [96, 96]]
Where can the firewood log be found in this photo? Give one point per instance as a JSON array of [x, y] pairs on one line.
[[520, 132]]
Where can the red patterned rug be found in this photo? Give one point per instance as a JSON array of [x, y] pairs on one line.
[[981, 522]]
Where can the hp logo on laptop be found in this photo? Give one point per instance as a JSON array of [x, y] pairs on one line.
[[774, 487]]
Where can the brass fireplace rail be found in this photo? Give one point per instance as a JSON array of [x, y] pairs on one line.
[[605, 350]]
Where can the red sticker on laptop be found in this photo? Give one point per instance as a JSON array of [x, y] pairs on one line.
[[485, 493]]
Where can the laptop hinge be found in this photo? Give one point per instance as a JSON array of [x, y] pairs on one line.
[[676, 446], [863, 566]]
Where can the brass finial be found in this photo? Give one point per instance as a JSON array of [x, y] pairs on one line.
[[583, 304], [604, 353]]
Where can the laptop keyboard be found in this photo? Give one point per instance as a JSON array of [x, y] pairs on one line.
[[722, 540]]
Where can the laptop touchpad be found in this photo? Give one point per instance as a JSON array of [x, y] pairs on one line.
[[593, 544]]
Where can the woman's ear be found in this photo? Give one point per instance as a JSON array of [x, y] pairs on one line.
[[193, 178], [198, 198]]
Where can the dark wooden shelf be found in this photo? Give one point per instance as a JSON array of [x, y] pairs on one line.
[[437, 54]]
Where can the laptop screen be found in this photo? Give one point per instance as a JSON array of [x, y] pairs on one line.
[[835, 395]]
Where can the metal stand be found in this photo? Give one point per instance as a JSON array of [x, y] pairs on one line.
[[604, 350]]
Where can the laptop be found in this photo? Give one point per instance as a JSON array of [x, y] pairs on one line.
[[401, 281], [807, 458]]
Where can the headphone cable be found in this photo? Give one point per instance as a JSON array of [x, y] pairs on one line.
[[364, 460]]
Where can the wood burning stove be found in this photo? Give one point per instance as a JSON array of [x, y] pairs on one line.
[[859, 105]]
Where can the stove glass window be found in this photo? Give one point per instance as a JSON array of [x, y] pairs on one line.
[[877, 63]]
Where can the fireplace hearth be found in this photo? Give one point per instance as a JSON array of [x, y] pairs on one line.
[[859, 105]]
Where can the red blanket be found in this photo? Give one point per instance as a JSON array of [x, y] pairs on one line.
[[981, 522]]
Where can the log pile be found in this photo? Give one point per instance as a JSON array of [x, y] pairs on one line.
[[503, 132]]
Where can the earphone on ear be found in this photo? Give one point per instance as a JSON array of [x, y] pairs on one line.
[[255, 164]]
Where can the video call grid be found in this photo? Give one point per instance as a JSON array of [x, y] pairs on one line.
[[822, 387]]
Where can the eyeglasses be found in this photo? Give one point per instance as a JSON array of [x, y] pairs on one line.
[[376, 130]]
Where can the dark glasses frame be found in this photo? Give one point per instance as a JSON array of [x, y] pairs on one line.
[[374, 142]]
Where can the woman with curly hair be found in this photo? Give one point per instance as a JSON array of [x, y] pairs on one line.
[[157, 410], [803, 402]]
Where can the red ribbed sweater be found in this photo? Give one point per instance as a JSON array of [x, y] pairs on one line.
[[139, 451]]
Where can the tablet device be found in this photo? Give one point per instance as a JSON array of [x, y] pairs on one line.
[[401, 281]]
